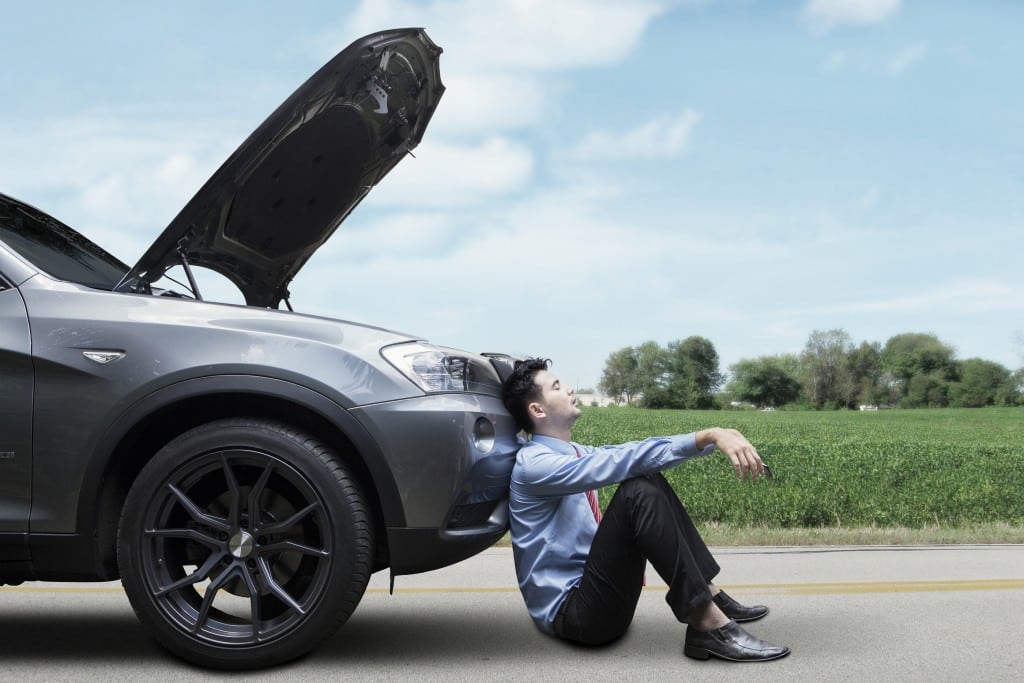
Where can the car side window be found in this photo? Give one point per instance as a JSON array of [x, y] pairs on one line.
[[57, 249]]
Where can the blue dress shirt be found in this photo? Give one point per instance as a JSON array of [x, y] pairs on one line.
[[552, 523]]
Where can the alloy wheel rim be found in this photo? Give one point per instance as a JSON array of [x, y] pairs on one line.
[[236, 548]]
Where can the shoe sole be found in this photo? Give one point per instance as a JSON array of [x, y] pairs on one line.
[[748, 620], [703, 654]]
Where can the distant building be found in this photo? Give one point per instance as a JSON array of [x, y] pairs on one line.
[[590, 399]]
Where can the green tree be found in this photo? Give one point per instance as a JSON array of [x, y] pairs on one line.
[[766, 381], [683, 375], [926, 391], [652, 369], [909, 355], [620, 378], [824, 369], [693, 374], [1015, 393], [864, 364], [1016, 389], [982, 383]]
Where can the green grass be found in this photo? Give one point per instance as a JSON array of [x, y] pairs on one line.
[[950, 475], [721, 535], [724, 535]]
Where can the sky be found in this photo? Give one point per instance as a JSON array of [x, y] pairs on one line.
[[598, 173]]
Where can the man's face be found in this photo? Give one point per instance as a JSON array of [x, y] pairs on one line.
[[557, 401]]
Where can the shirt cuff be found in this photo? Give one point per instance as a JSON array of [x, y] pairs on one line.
[[685, 445]]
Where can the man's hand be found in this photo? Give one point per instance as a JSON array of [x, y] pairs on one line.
[[745, 460]]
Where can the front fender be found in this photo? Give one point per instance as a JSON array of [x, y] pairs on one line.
[[239, 385]]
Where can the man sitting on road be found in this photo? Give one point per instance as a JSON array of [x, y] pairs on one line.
[[581, 574]]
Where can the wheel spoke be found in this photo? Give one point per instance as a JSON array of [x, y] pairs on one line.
[[284, 525], [234, 514], [196, 513], [211, 593], [187, 534], [277, 589], [292, 546], [255, 614], [254, 496], [195, 577]]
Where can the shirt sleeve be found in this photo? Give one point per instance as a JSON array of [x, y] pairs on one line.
[[545, 472]]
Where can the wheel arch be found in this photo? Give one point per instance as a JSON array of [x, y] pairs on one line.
[[149, 424]]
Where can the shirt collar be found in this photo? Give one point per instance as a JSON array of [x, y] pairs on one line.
[[555, 444]]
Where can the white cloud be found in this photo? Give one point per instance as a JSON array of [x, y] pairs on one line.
[[536, 35], [662, 137], [503, 61], [495, 237], [960, 297], [445, 174], [586, 278], [179, 172], [117, 178], [907, 57], [413, 235], [475, 104], [544, 257], [869, 61], [824, 15]]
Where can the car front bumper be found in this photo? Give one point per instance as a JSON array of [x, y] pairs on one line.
[[451, 456]]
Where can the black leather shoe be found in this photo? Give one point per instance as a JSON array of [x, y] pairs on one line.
[[736, 611], [731, 643]]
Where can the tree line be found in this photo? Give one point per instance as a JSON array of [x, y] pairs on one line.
[[911, 370]]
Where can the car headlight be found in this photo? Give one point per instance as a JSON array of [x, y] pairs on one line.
[[435, 368]]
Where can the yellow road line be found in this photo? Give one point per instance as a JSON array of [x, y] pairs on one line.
[[57, 588], [846, 587], [823, 588]]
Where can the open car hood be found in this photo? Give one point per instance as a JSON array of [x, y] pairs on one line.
[[286, 189]]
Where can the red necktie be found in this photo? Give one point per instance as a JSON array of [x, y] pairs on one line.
[[591, 496], [592, 499]]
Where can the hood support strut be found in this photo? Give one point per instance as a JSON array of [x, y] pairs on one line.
[[188, 272]]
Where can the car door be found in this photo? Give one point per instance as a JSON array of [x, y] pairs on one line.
[[15, 413]]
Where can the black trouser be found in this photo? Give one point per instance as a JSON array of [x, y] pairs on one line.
[[644, 520]]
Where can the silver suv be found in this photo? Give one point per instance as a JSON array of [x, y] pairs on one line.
[[243, 469]]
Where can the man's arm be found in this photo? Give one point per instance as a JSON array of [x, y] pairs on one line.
[[543, 471], [745, 460]]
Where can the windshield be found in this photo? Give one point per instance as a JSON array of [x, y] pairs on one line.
[[56, 249]]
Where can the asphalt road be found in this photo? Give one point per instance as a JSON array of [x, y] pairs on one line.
[[950, 613]]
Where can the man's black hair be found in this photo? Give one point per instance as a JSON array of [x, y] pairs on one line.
[[520, 389]]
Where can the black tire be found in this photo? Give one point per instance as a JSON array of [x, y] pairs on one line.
[[244, 543]]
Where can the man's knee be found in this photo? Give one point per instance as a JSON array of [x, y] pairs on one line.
[[653, 484], [649, 495]]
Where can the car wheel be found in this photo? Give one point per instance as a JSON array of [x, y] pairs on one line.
[[244, 543]]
